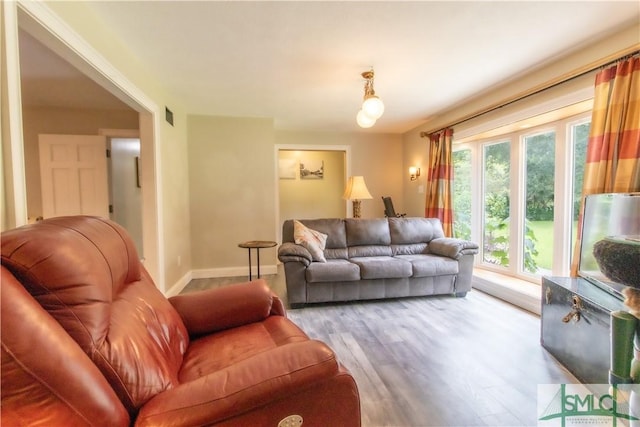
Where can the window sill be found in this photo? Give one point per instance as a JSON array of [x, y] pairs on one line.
[[518, 292]]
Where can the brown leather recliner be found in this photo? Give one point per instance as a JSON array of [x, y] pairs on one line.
[[88, 339]]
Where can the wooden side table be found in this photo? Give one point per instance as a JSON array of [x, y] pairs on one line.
[[257, 245]]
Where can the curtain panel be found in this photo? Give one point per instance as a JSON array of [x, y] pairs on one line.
[[613, 149], [439, 179]]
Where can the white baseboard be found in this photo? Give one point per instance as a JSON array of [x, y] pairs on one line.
[[207, 273], [179, 285]]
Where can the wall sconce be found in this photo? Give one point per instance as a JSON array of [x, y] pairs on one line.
[[414, 173]]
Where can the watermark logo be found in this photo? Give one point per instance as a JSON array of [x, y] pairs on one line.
[[588, 405]]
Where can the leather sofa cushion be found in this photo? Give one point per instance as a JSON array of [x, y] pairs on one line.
[[383, 267], [250, 392], [367, 232], [218, 351], [431, 265], [414, 230], [332, 271]]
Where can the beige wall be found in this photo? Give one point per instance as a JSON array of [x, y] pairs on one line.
[[377, 157], [176, 198], [37, 120], [232, 189], [5, 178], [416, 154], [313, 198], [234, 185]]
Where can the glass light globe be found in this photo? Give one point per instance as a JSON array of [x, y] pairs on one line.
[[364, 121], [373, 107]]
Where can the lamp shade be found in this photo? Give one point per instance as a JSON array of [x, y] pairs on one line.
[[364, 121], [356, 189], [373, 107]]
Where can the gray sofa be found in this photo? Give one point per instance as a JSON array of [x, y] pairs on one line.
[[376, 258]]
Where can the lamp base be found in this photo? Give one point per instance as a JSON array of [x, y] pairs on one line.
[[356, 208]]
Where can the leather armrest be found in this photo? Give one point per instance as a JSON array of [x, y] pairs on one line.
[[291, 252], [452, 248], [243, 386], [227, 307]]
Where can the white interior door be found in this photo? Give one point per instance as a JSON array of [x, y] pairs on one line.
[[73, 174]]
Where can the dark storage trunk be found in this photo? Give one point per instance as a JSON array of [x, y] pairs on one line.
[[575, 326]]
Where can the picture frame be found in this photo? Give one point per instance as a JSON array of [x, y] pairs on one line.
[[287, 168], [312, 169]]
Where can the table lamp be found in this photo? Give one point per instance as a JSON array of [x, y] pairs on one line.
[[355, 191]]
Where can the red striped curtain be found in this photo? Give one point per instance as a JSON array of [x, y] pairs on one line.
[[440, 179], [613, 149]]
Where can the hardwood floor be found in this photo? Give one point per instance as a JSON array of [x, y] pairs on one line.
[[433, 361]]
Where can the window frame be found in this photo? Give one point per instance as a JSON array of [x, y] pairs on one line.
[[563, 195]]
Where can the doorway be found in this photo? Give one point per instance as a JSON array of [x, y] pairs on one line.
[[301, 192], [35, 19], [125, 186]]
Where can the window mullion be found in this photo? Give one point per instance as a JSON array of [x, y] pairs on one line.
[[562, 202], [518, 193]]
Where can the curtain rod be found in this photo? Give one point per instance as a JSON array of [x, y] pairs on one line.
[[602, 63]]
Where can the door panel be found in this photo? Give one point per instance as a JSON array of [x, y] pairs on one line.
[[73, 174]]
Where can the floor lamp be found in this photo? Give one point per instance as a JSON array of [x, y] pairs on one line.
[[356, 191]]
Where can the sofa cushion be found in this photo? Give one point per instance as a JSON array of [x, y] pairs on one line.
[[414, 230], [313, 240], [410, 249], [367, 232], [332, 227], [369, 250], [430, 265], [336, 253], [332, 271], [383, 267], [215, 352]]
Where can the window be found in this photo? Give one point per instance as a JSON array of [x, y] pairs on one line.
[[495, 194], [522, 201], [539, 176], [462, 194]]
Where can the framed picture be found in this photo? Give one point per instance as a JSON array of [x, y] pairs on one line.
[[287, 168], [311, 169]]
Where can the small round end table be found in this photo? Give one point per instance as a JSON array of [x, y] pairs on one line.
[[257, 245]]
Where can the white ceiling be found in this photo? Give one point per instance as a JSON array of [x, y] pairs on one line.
[[299, 62]]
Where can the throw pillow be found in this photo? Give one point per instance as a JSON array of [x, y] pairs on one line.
[[314, 241]]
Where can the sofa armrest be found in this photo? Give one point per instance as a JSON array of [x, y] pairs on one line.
[[242, 387], [452, 248], [290, 252], [227, 307]]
